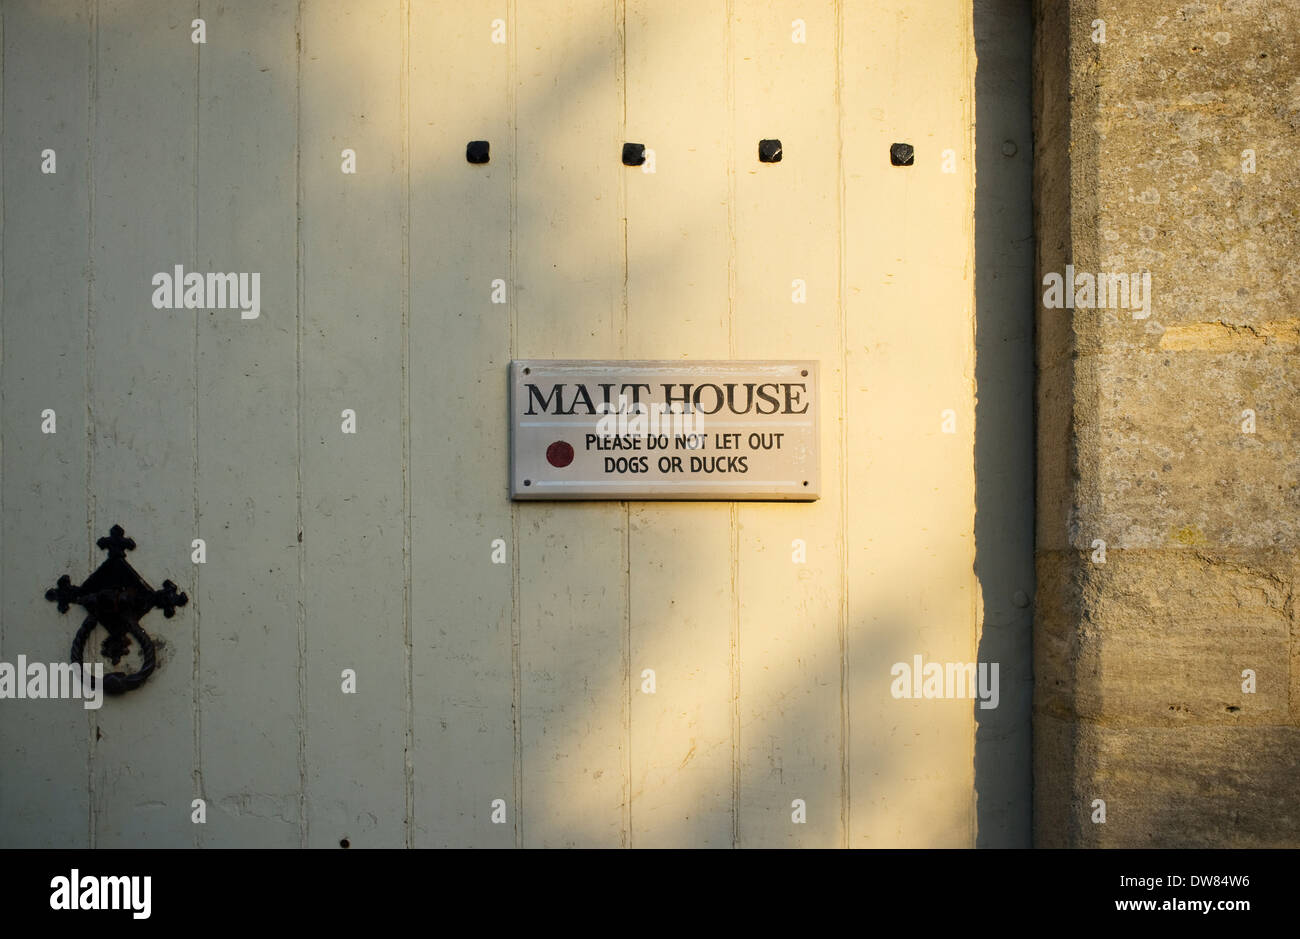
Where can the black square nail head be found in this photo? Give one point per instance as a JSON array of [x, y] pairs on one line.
[[633, 154], [901, 154], [476, 151], [769, 151]]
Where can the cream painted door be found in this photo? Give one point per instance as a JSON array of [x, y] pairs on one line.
[[380, 649]]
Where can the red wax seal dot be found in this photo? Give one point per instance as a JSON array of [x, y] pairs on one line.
[[559, 453]]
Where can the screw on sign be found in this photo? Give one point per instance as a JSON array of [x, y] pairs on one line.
[[559, 454]]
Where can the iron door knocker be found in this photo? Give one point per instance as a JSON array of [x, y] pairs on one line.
[[116, 597]]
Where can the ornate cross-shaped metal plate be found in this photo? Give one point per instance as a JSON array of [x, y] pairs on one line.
[[116, 597]]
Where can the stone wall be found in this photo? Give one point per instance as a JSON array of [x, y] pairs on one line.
[[1168, 499]]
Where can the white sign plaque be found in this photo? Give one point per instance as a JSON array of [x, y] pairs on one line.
[[664, 430]]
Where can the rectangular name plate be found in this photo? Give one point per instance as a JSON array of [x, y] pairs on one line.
[[664, 430]]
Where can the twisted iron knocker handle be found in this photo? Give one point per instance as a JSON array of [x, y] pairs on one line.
[[117, 682]]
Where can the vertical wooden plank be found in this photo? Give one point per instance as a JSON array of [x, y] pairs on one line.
[[247, 438], [46, 56], [787, 220], [461, 597], [142, 401], [1004, 433], [910, 338], [353, 281], [678, 247], [572, 558]]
